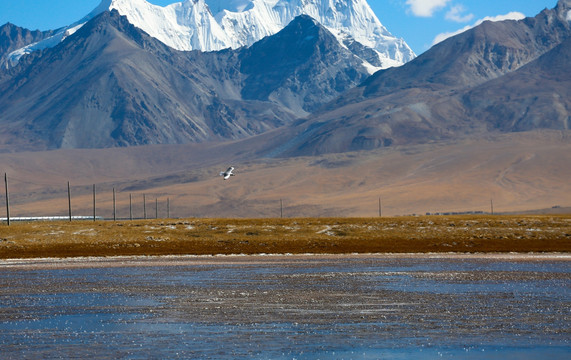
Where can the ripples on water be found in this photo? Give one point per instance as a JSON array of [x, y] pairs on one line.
[[361, 307]]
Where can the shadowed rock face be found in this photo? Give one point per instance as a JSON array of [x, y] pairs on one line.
[[13, 37], [538, 95], [110, 84], [281, 73]]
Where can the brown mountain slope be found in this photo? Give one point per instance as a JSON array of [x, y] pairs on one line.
[[537, 95], [479, 81], [475, 56]]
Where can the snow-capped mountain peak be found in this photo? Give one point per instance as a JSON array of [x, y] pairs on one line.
[[211, 25]]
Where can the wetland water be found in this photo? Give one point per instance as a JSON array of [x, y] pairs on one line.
[[286, 307]]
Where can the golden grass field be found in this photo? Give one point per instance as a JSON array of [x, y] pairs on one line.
[[193, 236]]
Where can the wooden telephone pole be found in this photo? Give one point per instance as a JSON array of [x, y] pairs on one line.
[[7, 200], [69, 200], [93, 202]]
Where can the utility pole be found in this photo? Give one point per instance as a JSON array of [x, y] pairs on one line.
[[380, 211], [114, 207], [93, 202], [492, 206], [130, 207], [156, 208], [69, 199], [144, 207], [7, 200], [168, 208], [281, 209]]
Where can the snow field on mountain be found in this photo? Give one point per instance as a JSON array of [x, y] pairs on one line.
[[211, 25]]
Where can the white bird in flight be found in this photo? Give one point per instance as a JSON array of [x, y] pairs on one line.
[[226, 174]]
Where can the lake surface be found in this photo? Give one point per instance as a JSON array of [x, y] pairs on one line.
[[288, 307]]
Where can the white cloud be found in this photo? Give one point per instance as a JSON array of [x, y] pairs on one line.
[[514, 15], [455, 14], [569, 15], [426, 8]]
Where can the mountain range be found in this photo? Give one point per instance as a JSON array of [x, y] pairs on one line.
[[112, 84], [483, 112]]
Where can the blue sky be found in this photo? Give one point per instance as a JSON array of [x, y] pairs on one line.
[[419, 22]]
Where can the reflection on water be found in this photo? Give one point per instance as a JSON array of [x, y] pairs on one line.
[[365, 307]]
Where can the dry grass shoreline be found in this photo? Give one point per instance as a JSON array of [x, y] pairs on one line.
[[427, 234]]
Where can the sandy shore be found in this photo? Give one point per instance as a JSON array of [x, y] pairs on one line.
[[400, 235], [281, 259]]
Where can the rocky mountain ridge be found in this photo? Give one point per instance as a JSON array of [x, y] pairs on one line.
[[110, 84], [13, 37]]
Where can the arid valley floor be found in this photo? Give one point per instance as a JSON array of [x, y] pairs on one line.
[[513, 173]]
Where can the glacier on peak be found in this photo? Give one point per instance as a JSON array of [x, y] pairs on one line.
[[210, 25], [217, 6]]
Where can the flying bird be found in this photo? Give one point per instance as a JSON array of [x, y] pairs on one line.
[[226, 174]]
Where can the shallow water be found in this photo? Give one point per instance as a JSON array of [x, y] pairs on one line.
[[285, 307]]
